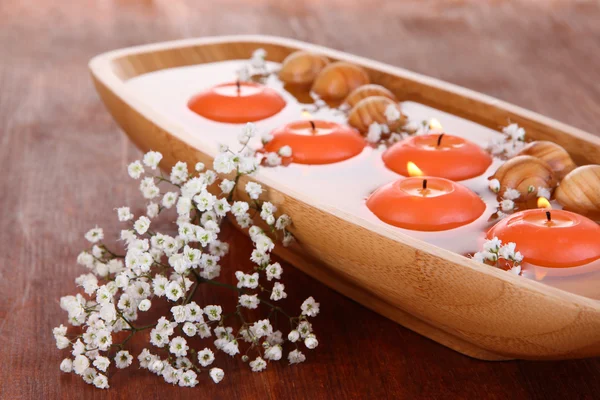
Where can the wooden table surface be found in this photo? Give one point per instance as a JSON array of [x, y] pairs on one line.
[[62, 159]]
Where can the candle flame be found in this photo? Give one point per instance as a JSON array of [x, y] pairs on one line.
[[435, 125], [413, 170], [306, 114], [543, 202]]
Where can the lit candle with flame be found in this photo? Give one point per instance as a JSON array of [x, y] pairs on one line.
[[317, 141], [550, 238], [237, 102], [425, 203], [438, 154]]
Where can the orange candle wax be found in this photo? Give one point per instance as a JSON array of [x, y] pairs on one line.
[[317, 142], [426, 203], [551, 238], [237, 102], [441, 155]]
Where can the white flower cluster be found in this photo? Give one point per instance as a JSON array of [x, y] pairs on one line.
[[499, 255], [507, 205], [509, 145], [256, 65], [170, 267]]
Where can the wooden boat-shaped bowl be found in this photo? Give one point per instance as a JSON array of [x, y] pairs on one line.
[[474, 309]]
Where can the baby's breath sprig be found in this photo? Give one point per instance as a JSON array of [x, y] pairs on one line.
[[501, 256], [171, 268]]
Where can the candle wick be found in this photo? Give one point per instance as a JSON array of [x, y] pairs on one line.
[[440, 139], [239, 86], [312, 124], [424, 184], [548, 216]]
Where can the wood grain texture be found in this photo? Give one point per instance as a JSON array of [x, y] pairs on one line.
[[62, 158], [480, 311]]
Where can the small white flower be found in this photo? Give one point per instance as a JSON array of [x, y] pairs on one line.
[[249, 301], [254, 190], [311, 342], [178, 346], [374, 133], [293, 336], [273, 159], [231, 348], [124, 214], [296, 357], [285, 151], [274, 271], [511, 194], [258, 364], [213, 312], [224, 163], [392, 113], [135, 169], [227, 186], [516, 270], [216, 374], [239, 208], [515, 132], [262, 328], [66, 365], [101, 381], [152, 158], [310, 307], [273, 353], [123, 359], [102, 363], [518, 257], [189, 329], [179, 173], [152, 210], [141, 225], [492, 245], [221, 207], [174, 291], [479, 257], [507, 205], [94, 235], [206, 357], [283, 222], [543, 192], [278, 292], [62, 342], [80, 364], [144, 305], [507, 251], [178, 313], [266, 138], [494, 185], [199, 167]]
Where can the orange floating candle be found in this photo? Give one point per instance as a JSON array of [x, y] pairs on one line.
[[317, 142], [425, 203], [237, 102], [551, 238], [440, 155]]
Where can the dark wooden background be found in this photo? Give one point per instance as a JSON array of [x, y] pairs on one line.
[[62, 164]]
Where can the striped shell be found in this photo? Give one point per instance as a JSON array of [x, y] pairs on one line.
[[558, 158], [523, 173], [338, 80], [365, 91], [579, 191], [372, 109], [302, 67]]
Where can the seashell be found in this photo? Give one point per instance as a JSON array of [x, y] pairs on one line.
[[522, 173], [362, 92], [302, 67], [557, 157], [372, 109], [338, 79], [579, 191]]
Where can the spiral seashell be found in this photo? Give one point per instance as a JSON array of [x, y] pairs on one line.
[[373, 109], [523, 173], [555, 155], [362, 92], [302, 67], [338, 79], [579, 191]]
